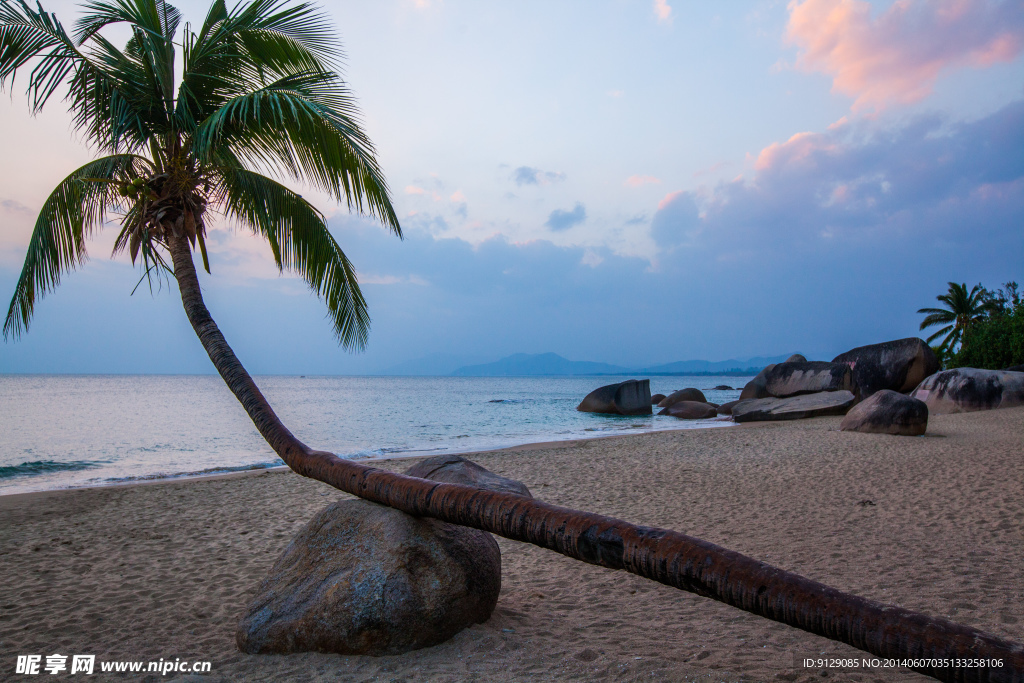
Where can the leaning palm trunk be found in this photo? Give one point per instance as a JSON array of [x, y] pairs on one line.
[[662, 555]]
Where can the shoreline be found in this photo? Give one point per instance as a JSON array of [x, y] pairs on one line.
[[257, 470], [934, 524]]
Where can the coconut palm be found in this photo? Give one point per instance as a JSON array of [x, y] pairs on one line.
[[962, 309], [259, 91]]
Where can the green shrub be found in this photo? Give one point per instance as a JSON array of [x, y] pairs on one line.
[[994, 343]]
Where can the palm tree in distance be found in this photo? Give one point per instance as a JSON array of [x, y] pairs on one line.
[[259, 91], [962, 309]]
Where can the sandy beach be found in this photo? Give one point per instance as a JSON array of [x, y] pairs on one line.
[[932, 523]]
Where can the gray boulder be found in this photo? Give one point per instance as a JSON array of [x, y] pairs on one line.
[[898, 365], [887, 412], [965, 390], [726, 408], [797, 358], [756, 388], [688, 394], [454, 469], [810, 377], [794, 407], [690, 410], [632, 397], [365, 579], [656, 399]]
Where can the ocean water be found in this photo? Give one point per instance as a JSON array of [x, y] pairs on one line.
[[61, 431]]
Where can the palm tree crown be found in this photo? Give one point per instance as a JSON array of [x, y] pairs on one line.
[[258, 92], [962, 309]]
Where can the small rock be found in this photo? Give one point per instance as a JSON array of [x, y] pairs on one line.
[[657, 398], [690, 410], [726, 408], [887, 412], [723, 387], [688, 394], [796, 358]]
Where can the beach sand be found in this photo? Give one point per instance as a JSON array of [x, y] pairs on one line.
[[932, 523]]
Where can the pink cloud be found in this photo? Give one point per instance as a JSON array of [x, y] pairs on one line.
[[638, 180], [800, 148], [663, 11], [413, 189], [896, 57]]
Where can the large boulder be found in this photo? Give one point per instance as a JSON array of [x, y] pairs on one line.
[[968, 389], [898, 365], [454, 469], [756, 388], [810, 377], [690, 410], [794, 407], [365, 579], [887, 412], [688, 394], [632, 397]]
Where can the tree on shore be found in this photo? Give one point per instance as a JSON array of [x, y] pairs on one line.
[[962, 309], [259, 90]]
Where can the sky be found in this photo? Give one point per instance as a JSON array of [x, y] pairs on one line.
[[630, 182]]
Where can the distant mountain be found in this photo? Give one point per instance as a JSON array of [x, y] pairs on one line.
[[524, 364], [704, 367], [435, 365]]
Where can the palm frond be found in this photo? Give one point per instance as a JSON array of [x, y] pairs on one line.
[[69, 215], [27, 35], [304, 125], [300, 241]]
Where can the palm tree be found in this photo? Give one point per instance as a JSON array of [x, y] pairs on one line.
[[259, 91], [962, 310]]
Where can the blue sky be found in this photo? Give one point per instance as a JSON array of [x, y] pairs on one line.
[[627, 182]]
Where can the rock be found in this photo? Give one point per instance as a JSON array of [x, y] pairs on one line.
[[887, 412], [794, 407], [796, 358], [755, 388], [726, 408], [1014, 368], [688, 394], [810, 377], [454, 469], [632, 397], [713, 405], [657, 398], [896, 365], [690, 410], [723, 387], [968, 389], [365, 579]]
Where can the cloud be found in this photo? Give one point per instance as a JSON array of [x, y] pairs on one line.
[[896, 57], [14, 206], [638, 180], [663, 11], [616, 93], [563, 220], [414, 189], [526, 175]]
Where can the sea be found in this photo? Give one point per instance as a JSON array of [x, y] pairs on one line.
[[69, 431]]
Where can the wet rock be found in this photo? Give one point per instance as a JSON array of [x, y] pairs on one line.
[[757, 387], [898, 365], [887, 412], [632, 397], [657, 398], [810, 377], [690, 410], [965, 390], [688, 394], [726, 408], [365, 579], [794, 407], [454, 469]]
